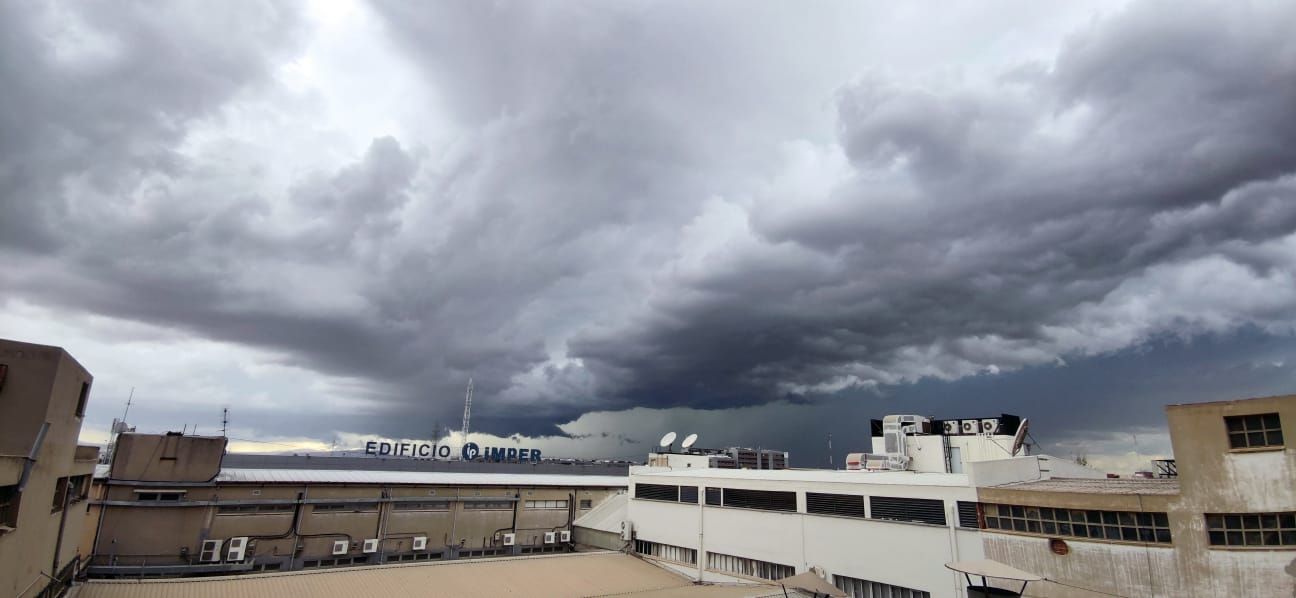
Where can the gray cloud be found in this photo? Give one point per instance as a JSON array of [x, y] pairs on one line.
[[653, 206]]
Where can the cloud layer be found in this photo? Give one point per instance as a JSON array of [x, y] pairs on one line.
[[595, 207]]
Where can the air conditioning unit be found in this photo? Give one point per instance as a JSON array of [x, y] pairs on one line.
[[370, 545], [211, 551], [854, 461], [510, 539], [971, 426], [564, 536], [627, 531], [236, 549], [420, 543], [340, 547], [951, 427], [549, 537], [990, 426]]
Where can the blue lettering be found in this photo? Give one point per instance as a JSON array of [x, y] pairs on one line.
[[496, 454], [524, 455], [512, 454], [535, 455]]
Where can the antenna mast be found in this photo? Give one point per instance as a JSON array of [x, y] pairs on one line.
[[224, 419], [467, 410]]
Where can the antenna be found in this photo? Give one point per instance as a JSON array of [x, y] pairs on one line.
[[467, 410], [688, 441], [224, 420], [1020, 436], [830, 463], [128, 403], [667, 440]]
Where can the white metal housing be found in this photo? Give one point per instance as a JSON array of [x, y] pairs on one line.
[[211, 551], [564, 536], [420, 543], [370, 545], [340, 547], [549, 537], [510, 539], [236, 549]]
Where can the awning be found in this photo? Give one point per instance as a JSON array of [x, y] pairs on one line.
[[989, 568], [812, 583]]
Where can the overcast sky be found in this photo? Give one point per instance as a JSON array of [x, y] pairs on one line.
[[764, 222]]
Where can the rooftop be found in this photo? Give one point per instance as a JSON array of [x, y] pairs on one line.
[[814, 476], [1099, 486], [580, 574], [357, 476]]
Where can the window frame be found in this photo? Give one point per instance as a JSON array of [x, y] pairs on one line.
[[1267, 426], [1249, 526]]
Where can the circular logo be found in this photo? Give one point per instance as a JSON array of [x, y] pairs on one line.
[[471, 451]]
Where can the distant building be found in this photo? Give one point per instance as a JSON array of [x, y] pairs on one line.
[[44, 474], [179, 505]]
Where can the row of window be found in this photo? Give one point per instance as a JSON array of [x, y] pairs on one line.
[[727, 563], [1254, 529], [251, 509], [668, 552], [1126, 526], [863, 588], [546, 504], [433, 505]]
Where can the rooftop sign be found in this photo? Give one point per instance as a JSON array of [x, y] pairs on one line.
[[470, 451]]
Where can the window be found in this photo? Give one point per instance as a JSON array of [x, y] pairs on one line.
[[725, 563], [1254, 431], [765, 500], [844, 505], [345, 507], [668, 552], [714, 497], [81, 400], [1124, 526], [688, 494], [546, 504], [421, 506], [967, 515], [1252, 529], [657, 492], [863, 588], [488, 506], [159, 496], [9, 496], [586, 503], [253, 509], [80, 488], [60, 494], [919, 510]]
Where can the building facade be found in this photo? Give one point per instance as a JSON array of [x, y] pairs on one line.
[[44, 474], [170, 506]]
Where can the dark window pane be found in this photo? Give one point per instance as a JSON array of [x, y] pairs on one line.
[[1080, 531], [1234, 538], [1032, 526], [1163, 535], [1254, 422], [1049, 527], [1256, 438], [1254, 539], [1062, 515], [1018, 511], [1109, 518], [1270, 538], [1161, 519], [1129, 534], [1251, 522], [1217, 539], [1064, 529], [992, 522], [1237, 440], [1233, 521], [1046, 513], [1287, 519], [1269, 521], [1113, 533], [1234, 424], [1095, 531], [1288, 538], [1126, 519], [1274, 437], [1271, 420], [1078, 516], [1145, 519], [1145, 535], [1019, 525]]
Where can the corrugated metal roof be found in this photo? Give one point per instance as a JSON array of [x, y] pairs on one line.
[[607, 516], [1099, 486], [582, 574], [900, 478], [357, 476]]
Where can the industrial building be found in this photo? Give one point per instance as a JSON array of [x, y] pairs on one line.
[[44, 473], [935, 492], [179, 505]]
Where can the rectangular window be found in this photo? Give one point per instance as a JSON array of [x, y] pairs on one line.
[[863, 588], [713, 497], [546, 504], [657, 492], [688, 494], [765, 500], [920, 510], [159, 496], [82, 399], [9, 496], [1254, 431], [1125, 526], [421, 506], [488, 506], [253, 509], [60, 494], [346, 507], [1251, 529], [586, 503], [725, 563], [967, 515], [845, 505], [668, 552]]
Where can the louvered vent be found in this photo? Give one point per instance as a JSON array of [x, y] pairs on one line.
[[967, 513], [845, 505], [688, 494], [921, 510], [713, 497], [657, 492], [765, 500]]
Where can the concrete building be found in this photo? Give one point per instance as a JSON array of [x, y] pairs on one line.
[[179, 505], [44, 474]]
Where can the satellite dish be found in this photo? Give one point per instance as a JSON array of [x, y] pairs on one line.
[[667, 440], [1020, 436], [688, 441]]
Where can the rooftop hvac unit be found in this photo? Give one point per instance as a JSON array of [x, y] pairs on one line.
[[564, 536], [855, 461], [951, 427], [971, 426], [237, 548], [420, 543], [510, 539], [340, 547], [370, 545], [549, 537], [990, 426], [210, 551], [627, 531]]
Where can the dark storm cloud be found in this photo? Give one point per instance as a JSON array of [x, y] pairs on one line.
[[641, 205]]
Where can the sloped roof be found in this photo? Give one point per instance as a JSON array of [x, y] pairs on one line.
[[607, 516]]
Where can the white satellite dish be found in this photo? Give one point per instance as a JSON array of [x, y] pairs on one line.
[[1020, 436], [688, 441], [667, 440]]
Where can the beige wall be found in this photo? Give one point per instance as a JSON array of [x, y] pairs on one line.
[[44, 384], [165, 457]]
